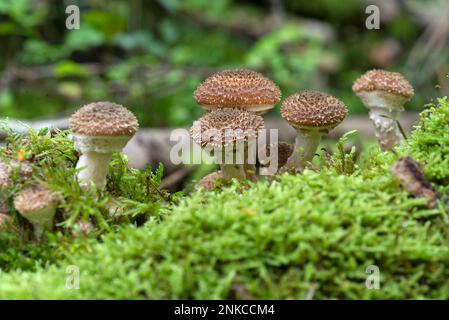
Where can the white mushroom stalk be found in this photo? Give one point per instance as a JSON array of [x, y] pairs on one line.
[[38, 206], [312, 114], [384, 94], [306, 144], [100, 129]]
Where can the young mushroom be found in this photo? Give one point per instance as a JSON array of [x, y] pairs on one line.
[[38, 206], [384, 94], [100, 129], [239, 88], [312, 114], [227, 132]]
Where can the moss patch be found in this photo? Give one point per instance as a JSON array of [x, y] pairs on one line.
[[316, 230]]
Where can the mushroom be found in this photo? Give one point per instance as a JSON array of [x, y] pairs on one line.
[[100, 129], [239, 88], [384, 94], [312, 114], [209, 182], [227, 132], [38, 206]]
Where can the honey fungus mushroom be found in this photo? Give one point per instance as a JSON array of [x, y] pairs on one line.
[[312, 114], [38, 206], [227, 133], [100, 129], [384, 94], [239, 88]]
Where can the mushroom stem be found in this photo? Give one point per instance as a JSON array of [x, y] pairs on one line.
[[306, 143], [249, 168], [44, 222], [229, 169], [94, 169], [383, 110], [386, 128]]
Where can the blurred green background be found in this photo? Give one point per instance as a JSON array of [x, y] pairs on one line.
[[150, 55]]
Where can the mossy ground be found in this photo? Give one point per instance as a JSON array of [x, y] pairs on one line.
[[320, 230]]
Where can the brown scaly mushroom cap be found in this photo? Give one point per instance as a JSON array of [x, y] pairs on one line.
[[228, 126], [313, 109], [34, 199], [103, 119], [381, 80], [238, 88]]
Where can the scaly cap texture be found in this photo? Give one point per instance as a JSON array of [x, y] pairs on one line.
[[223, 127], [381, 80], [313, 109], [237, 88], [34, 199], [103, 119]]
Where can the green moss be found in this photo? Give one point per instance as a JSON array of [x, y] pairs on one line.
[[429, 142], [315, 230], [131, 197]]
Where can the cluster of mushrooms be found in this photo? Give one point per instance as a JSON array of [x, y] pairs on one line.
[[99, 129], [235, 101]]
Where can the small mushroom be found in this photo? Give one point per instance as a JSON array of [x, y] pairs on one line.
[[239, 88], [209, 182], [100, 129], [312, 114], [227, 132], [384, 94], [38, 206]]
